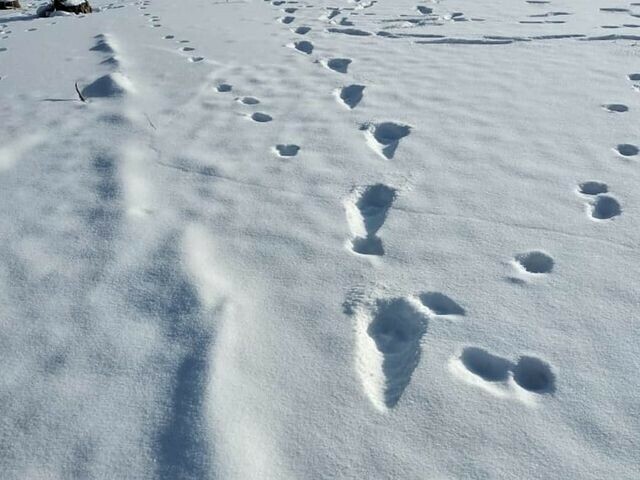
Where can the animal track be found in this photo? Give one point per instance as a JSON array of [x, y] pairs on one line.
[[249, 100], [634, 77], [287, 20], [490, 368], [261, 117], [535, 262], [627, 150], [388, 347], [350, 31], [302, 30], [224, 87], [366, 213], [440, 304], [534, 375], [616, 108], [605, 207], [340, 65], [351, 95], [501, 376], [289, 150], [196, 59], [303, 46], [593, 188], [385, 137]]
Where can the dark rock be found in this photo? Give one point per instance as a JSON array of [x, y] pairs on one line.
[[8, 4], [83, 7], [48, 10]]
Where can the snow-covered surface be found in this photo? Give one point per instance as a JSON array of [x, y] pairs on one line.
[[225, 264], [72, 3]]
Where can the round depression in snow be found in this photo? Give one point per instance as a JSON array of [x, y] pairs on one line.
[[536, 262], [593, 188]]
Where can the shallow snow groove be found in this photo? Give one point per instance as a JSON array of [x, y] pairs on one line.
[[192, 305], [165, 292]]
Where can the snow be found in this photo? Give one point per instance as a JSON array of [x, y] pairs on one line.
[[313, 239], [72, 3]]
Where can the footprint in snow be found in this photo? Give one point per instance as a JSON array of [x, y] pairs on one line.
[[351, 95], [366, 210], [224, 88], [502, 377], [340, 65], [385, 137], [592, 188], [261, 117], [302, 30], [441, 305], [169, 37], [287, 20], [303, 46], [103, 45], [113, 85], [248, 100], [196, 59], [605, 207], [288, 150], [187, 49], [627, 150], [615, 108], [535, 262], [388, 348], [602, 206]]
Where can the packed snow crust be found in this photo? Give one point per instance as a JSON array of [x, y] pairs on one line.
[[391, 239]]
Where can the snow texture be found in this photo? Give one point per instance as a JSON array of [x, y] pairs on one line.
[[353, 239]]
